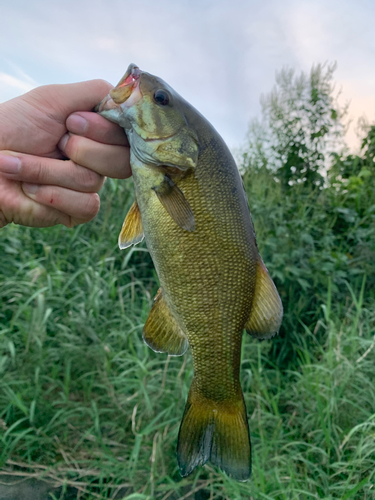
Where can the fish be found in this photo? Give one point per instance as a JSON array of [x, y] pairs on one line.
[[192, 210]]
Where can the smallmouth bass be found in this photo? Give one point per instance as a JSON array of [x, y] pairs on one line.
[[192, 210]]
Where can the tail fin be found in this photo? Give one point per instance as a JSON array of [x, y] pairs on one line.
[[218, 432]]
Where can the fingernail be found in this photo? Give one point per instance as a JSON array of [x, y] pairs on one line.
[[62, 144], [9, 164], [77, 124], [30, 188]]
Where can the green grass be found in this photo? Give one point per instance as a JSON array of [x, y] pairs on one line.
[[85, 403]]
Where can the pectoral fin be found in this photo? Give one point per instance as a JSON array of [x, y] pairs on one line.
[[161, 331], [267, 310], [175, 203], [132, 229]]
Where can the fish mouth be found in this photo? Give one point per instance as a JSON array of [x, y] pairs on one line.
[[126, 92], [132, 74]]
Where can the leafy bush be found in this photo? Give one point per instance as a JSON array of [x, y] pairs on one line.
[[302, 123], [311, 234]]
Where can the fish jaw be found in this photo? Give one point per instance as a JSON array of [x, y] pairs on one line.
[[122, 97], [109, 109]]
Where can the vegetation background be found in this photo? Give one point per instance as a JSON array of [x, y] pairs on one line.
[[85, 404]]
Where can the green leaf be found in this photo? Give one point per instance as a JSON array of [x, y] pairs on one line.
[[354, 490]]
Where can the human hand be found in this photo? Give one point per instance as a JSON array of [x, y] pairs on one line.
[[38, 130]]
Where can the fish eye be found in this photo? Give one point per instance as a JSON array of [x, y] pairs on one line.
[[161, 97]]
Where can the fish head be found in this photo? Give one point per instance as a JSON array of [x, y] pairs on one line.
[[154, 119]]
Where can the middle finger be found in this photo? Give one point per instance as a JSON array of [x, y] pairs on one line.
[[105, 159], [97, 128], [40, 170]]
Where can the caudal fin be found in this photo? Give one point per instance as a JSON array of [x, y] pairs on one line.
[[215, 432]]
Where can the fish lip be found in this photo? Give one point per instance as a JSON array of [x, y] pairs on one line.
[[133, 72], [105, 105], [125, 87], [129, 82]]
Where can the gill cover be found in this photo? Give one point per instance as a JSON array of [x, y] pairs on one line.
[[153, 117], [152, 114], [160, 132]]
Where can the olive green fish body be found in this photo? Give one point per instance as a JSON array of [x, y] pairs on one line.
[[207, 276], [195, 218]]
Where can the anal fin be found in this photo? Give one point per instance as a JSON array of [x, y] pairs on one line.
[[161, 331], [132, 228], [267, 310]]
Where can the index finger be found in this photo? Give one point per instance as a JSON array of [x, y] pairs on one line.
[[96, 128]]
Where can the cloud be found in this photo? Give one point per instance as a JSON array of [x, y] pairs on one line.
[[221, 55], [10, 86]]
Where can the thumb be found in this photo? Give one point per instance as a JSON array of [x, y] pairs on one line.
[[71, 97]]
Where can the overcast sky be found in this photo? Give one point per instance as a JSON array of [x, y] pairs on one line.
[[221, 55]]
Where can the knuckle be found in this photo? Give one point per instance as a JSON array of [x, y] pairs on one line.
[[3, 220], [103, 86], [123, 163], [71, 148], [92, 206], [48, 195], [39, 172], [90, 180]]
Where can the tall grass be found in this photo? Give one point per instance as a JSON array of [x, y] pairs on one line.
[[85, 403], [311, 240]]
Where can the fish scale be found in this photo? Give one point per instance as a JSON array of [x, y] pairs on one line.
[[191, 207]]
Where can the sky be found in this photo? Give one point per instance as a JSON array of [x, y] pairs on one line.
[[220, 55]]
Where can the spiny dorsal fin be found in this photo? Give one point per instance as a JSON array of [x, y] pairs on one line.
[[161, 331], [132, 229], [267, 310], [175, 203]]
